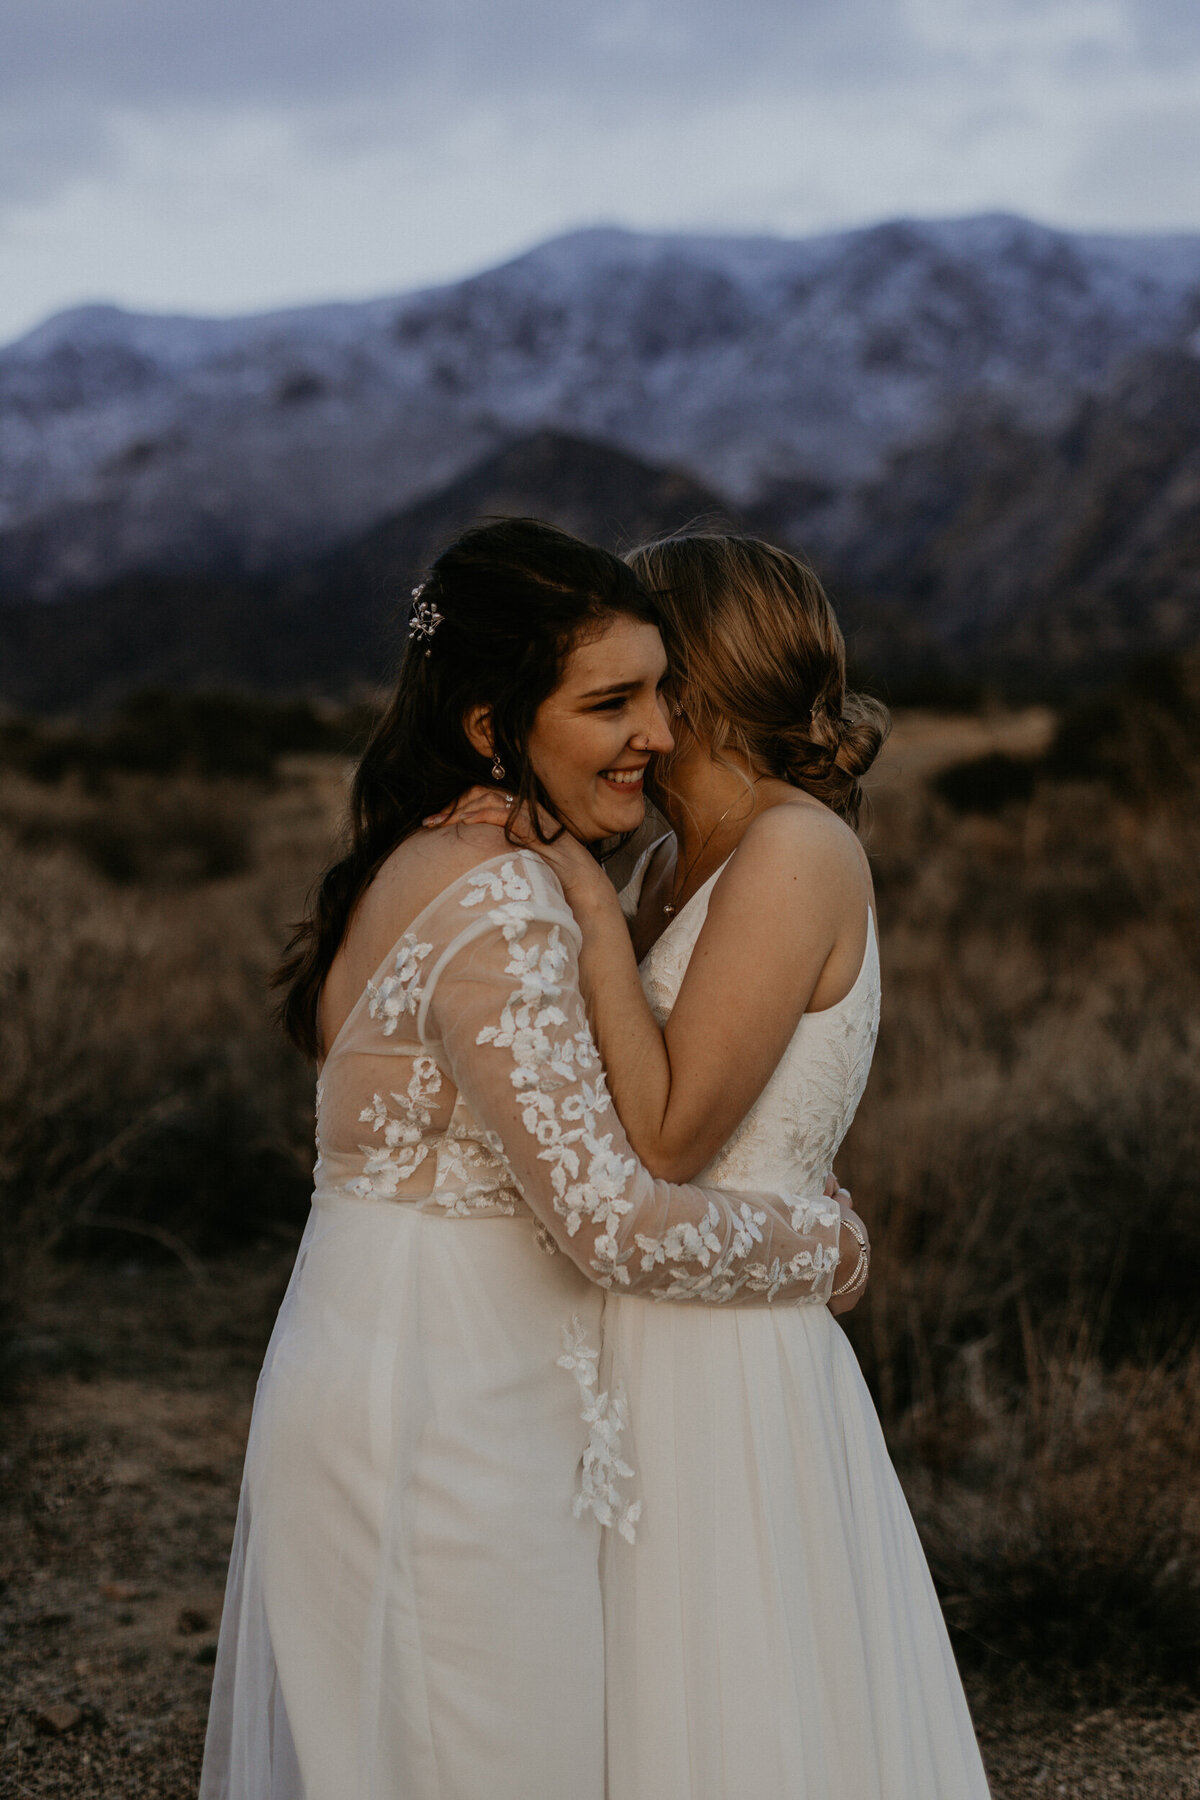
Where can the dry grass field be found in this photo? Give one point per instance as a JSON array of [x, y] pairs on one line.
[[1026, 1155]]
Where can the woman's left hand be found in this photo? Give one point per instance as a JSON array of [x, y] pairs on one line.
[[855, 1246], [845, 1303], [583, 879], [478, 806]]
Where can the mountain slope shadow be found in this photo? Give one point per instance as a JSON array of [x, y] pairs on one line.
[[337, 622]]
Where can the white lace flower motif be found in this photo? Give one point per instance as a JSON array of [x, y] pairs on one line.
[[606, 1415], [404, 1128], [591, 1181], [505, 884], [399, 993]]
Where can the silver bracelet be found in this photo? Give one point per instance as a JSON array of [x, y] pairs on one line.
[[862, 1263]]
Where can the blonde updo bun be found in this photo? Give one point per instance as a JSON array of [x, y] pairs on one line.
[[759, 663]]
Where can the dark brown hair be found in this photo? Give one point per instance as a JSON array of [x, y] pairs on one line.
[[758, 663], [515, 598]]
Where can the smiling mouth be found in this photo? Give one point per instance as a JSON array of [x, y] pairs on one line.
[[629, 779]]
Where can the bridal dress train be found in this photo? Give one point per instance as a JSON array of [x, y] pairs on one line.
[[413, 1609], [772, 1633]]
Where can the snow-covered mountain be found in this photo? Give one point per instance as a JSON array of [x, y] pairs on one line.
[[332, 624], [1060, 552], [777, 372]]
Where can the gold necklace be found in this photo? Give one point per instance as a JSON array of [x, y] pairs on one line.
[[670, 906]]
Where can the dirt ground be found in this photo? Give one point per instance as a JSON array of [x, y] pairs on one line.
[[123, 1438]]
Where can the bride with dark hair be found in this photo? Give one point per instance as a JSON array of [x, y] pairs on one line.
[[414, 1601]]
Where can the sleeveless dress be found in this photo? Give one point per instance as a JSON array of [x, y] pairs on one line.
[[773, 1632], [413, 1609]]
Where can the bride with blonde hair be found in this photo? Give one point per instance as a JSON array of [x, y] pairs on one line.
[[771, 1628]]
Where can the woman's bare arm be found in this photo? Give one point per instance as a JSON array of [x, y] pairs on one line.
[[789, 909], [786, 922]]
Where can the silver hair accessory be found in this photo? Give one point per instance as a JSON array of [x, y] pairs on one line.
[[425, 618]]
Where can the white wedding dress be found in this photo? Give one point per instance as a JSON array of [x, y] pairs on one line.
[[773, 1632], [413, 1609]]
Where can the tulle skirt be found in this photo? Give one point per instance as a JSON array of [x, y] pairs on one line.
[[773, 1632], [413, 1608]]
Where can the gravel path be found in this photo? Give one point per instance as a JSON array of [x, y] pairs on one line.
[[118, 1485]]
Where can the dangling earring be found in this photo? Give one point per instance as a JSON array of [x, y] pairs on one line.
[[497, 767]]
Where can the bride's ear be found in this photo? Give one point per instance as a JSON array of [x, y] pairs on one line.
[[478, 726]]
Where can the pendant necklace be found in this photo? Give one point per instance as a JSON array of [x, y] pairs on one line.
[[671, 906]]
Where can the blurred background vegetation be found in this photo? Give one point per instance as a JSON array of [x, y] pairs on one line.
[[1026, 1153]]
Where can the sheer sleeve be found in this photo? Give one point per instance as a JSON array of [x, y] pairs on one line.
[[503, 1013]]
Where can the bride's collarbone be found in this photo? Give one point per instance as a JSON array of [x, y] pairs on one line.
[[667, 888], [660, 906], [660, 903]]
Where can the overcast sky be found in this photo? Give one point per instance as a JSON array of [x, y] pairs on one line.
[[224, 155]]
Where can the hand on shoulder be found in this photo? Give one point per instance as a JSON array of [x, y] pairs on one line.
[[583, 882]]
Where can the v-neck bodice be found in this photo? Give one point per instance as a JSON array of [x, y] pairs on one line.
[[792, 1132], [631, 894]]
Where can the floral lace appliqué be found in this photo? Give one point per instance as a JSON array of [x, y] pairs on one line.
[[472, 1174], [404, 1129], [591, 1178], [319, 1165], [506, 884], [399, 992], [606, 1416]]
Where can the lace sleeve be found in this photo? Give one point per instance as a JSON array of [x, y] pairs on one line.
[[504, 1015]]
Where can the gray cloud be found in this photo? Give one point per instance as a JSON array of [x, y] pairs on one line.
[[126, 52], [410, 68], [372, 71], [1146, 165], [227, 153], [1166, 29], [43, 147]]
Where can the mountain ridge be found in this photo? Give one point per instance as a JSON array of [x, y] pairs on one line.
[[1077, 552], [241, 447], [1166, 245], [335, 624]]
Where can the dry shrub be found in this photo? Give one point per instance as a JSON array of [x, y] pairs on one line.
[[138, 830], [149, 1106], [1078, 1560], [1027, 1153], [163, 732], [1028, 1156]]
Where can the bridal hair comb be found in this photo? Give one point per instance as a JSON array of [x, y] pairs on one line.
[[425, 618]]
